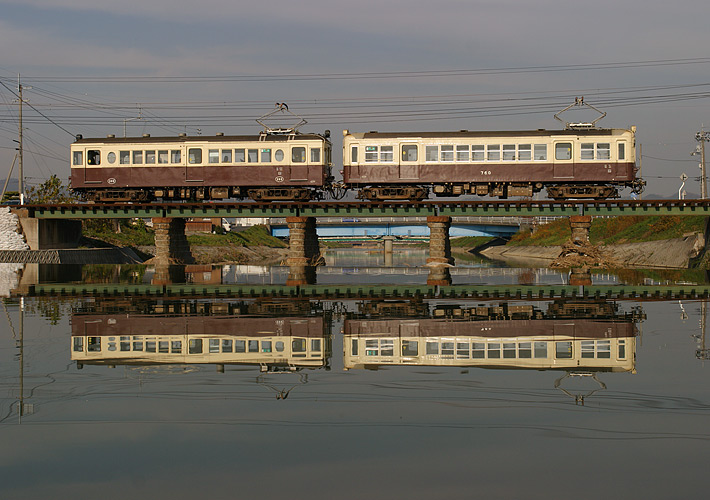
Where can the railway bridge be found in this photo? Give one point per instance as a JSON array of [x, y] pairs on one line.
[[171, 243]]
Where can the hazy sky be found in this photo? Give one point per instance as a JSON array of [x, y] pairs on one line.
[[364, 65]]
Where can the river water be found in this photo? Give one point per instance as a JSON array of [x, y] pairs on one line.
[[223, 397]]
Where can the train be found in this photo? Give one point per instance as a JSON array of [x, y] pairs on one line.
[[577, 162]]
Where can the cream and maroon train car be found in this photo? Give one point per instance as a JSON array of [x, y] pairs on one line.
[[543, 344], [272, 343], [263, 167], [592, 163]]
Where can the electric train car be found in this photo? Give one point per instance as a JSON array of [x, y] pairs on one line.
[[290, 166], [272, 343], [586, 163]]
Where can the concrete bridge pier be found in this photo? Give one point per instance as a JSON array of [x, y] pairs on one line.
[[303, 247], [171, 246], [440, 258], [439, 242], [580, 225]]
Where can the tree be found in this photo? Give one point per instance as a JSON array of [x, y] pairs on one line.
[[50, 191]]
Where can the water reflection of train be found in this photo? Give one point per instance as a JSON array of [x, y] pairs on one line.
[[275, 336], [583, 335]]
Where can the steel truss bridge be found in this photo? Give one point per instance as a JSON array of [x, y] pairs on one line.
[[606, 208]]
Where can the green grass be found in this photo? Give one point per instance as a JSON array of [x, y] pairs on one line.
[[615, 230], [253, 236]]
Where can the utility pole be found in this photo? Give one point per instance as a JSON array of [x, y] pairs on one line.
[[702, 137], [21, 175]]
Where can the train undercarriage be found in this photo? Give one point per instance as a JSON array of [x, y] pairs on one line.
[[196, 194]]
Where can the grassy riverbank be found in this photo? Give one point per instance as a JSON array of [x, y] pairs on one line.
[[614, 230]]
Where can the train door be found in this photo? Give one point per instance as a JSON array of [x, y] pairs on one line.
[[563, 160], [194, 166], [352, 171], [408, 161], [92, 166], [299, 162]]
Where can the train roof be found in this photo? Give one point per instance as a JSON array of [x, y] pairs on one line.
[[499, 133], [269, 138]]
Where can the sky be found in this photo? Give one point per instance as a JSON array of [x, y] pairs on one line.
[[94, 67]]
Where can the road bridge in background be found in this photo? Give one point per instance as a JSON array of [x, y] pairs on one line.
[[404, 227]]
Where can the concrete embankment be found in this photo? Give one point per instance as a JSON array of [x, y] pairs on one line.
[[675, 253]]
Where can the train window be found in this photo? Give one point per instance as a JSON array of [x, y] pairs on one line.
[[213, 345], [447, 349], [150, 346], [253, 345], [604, 349], [563, 350], [124, 157], [163, 346], [509, 349], [603, 151], [540, 349], [176, 346], [462, 153], [409, 152], [138, 157], [252, 155], [137, 346], [111, 157], [478, 350], [279, 155], [279, 345], [163, 157], [354, 347], [265, 346], [194, 346], [493, 350], [226, 156], [125, 344], [298, 155], [587, 348], [563, 151], [432, 348], [432, 153], [299, 345], [371, 347], [410, 348], [586, 151], [509, 152], [239, 156], [213, 156], [525, 350], [622, 349], [353, 154], [194, 156], [266, 155], [240, 346], [524, 152], [227, 345], [175, 156], [93, 344], [77, 158], [493, 152], [387, 153], [386, 347], [78, 344], [477, 152], [150, 157], [462, 350], [622, 151], [93, 157], [315, 155], [447, 153], [315, 345], [540, 152], [371, 153]]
